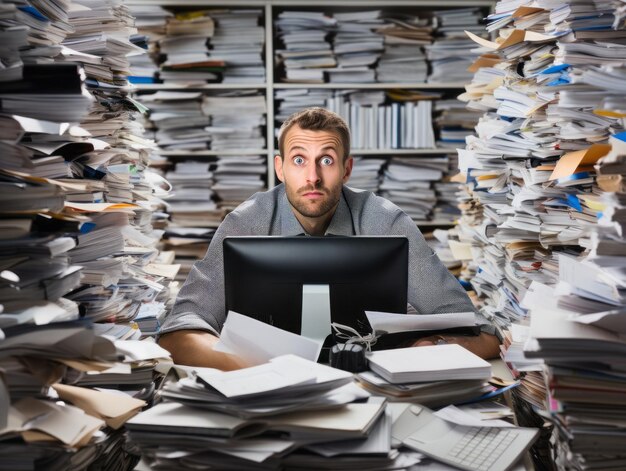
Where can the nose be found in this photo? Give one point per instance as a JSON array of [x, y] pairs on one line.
[[313, 174]]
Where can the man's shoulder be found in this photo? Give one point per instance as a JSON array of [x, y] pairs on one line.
[[256, 213], [257, 204], [367, 203]]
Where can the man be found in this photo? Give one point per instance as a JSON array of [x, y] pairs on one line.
[[313, 166]]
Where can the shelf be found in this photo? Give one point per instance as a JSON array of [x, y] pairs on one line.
[[206, 86], [359, 152], [210, 153], [372, 86]]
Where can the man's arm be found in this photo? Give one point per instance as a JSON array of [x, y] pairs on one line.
[[195, 348], [433, 290], [485, 345]]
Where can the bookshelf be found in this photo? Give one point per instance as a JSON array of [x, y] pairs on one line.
[[274, 84]]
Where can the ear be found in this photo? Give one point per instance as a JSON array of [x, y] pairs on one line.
[[278, 167], [347, 171]]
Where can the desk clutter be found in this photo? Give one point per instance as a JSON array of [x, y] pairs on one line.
[[293, 413]]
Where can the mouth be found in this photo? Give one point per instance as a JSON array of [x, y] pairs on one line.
[[313, 194]]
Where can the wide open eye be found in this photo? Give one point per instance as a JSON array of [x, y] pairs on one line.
[[327, 161], [298, 160]]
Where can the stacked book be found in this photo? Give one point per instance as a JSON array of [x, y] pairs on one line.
[[542, 217], [377, 124], [288, 413]]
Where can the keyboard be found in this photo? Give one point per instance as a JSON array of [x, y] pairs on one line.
[[480, 447], [471, 448]]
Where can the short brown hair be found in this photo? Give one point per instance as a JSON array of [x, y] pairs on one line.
[[316, 119]]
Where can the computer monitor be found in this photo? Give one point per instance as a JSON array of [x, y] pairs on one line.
[[302, 284]]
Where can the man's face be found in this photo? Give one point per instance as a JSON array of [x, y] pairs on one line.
[[313, 171]]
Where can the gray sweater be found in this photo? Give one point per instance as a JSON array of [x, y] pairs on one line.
[[431, 289]]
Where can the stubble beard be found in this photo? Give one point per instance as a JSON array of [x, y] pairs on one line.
[[309, 210]]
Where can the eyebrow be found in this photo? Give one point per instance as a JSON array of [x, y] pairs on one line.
[[324, 149]]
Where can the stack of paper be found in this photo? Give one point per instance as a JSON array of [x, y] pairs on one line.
[[237, 178], [193, 211], [233, 417], [407, 182], [306, 52], [542, 217], [239, 40], [76, 195], [236, 119], [403, 60], [452, 52], [366, 173], [290, 101], [185, 49], [290, 383], [424, 364], [178, 119], [429, 393]]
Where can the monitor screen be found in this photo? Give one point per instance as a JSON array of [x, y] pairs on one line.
[[265, 278]]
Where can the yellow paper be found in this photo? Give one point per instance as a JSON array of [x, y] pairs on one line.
[[570, 162], [486, 60]]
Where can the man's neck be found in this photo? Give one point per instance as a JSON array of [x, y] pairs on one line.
[[315, 226]]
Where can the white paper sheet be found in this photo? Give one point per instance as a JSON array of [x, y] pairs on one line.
[[257, 342]]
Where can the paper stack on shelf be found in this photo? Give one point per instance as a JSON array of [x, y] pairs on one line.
[[194, 214], [291, 101], [307, 50], [542, 218], [150, 20], [237, 119], [454, 122], [237, 178], [403, 59], [177, 119], [408, 183], [366, 173], [357, 46], [239, 41], [184, 55], [452, 53]]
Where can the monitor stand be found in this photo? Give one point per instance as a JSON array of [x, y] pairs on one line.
[[316, 312]]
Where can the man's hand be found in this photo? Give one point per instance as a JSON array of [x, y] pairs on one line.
[[195, 348], [484, 345]]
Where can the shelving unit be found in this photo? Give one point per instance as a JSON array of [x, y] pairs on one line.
[[271, 8]]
